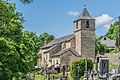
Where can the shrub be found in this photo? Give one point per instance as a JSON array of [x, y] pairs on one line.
[[82, 64], [82, 78]]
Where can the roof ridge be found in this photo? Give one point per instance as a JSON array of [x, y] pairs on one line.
[[85, 14], [59, 40]]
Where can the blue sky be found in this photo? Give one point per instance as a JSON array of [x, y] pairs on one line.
[[56, 16]]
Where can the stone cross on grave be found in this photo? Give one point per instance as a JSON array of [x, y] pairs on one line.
[[63, 70], [78, 68]]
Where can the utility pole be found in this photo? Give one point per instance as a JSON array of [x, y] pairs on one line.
[[119, 34]]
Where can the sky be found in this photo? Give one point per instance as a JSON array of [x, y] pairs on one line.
[[56, 16]]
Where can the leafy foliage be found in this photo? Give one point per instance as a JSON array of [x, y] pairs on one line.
[[82, 78], [23, 1], [45, 38], [101, 48], [113, 32], [17, 51], [26, 1], [82, 63], [30, 40]]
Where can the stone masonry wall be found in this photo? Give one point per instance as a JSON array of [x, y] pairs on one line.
[[88, 43], [67, 58], [113, 58]]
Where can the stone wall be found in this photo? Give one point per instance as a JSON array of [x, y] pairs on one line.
[[68, 44], [78, 41], [67, 58], [43, 57], [56, 61], [88, 43], [55, 50], [113, 58], [73, 43]]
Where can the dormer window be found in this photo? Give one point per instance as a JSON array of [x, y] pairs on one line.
[[104, 38], [87, 24], [76, 24]]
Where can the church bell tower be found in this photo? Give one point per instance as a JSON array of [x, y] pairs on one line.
[[84, 31]]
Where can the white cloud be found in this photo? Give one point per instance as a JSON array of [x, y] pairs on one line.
[[73, 13], [104, 20]]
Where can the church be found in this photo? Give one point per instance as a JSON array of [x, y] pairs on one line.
[[66, 49]]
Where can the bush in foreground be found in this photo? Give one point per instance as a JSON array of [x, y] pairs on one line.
[[83, 64]]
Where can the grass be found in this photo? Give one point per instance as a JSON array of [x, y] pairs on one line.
[[113, 52], [69, 76], [39, 77], [112, 66]]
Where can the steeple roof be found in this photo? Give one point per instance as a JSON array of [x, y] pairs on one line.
[[85, 14]]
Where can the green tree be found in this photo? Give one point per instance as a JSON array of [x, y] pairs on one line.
[[45, 38], [30, 37], [23, 1], [17, 49], [113, 32], [82, 63], [30, 40], [100, 48], [26, 1]]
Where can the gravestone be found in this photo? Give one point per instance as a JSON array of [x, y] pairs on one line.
[[92, 75], [102, 78], [53, 77], [104, 65], [48, 76], [115, 77], [78, 69], [96, 62], [63, 70], [29, 78], [86, 75], [75, 77]]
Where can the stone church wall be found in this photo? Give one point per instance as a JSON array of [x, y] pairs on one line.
[[67, 58], [55, 50], [88, 44]]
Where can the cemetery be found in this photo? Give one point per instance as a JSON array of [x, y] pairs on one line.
[[74, 57], [80, 55], [100, 71]]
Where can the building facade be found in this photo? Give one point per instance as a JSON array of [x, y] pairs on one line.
[[110, 43], [66, 49]]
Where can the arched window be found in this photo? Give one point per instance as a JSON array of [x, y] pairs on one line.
[[57, 61], [87, 24], [46, 56], [76, 24]]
